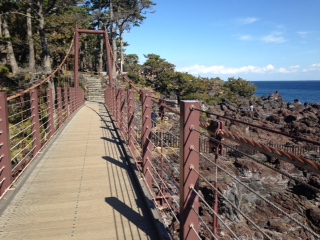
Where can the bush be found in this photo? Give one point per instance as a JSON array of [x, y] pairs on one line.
[[240, 87], [3, 70]]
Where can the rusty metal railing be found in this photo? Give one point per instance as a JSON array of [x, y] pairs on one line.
[[29, 119], [28, 123], [201, 177], [183, 177]]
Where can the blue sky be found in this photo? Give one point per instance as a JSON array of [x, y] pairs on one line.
[[252, 39]]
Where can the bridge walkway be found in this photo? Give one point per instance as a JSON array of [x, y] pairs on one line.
[[81, 188]]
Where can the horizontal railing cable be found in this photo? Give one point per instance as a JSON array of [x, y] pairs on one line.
[[262, 128], [47, 78], [172, 211], [234, 206], [260, 196], [263, 163], [214, 212], [204, 223]]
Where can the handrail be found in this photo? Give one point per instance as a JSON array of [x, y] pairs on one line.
[[44, 80], [156, 150]]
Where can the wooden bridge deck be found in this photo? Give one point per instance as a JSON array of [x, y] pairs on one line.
[[81, 188]]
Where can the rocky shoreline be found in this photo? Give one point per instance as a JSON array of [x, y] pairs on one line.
[[271, 112], [295, 119]]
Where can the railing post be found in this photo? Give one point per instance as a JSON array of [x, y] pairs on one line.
[[59, 96], [75, 92], [110, 99], [105, 97], [71, 95], [5, 158], [122, 113], [51, 112], [189, 160], [131, 120], [66, 101], [79, 101], [218, 151], [113, 102], [146, 137], [35, 120], [118, 106], [74, 99]]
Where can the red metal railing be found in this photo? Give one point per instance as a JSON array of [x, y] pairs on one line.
[[28, 123], [183, 177], [199, 188], [29, 119]]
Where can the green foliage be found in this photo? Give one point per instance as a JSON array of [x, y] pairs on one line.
[[137, 79], [131, 64], [4, 70], [154, 66], [240, 87]]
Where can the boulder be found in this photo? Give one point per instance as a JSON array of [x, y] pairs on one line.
[[273, 119], [313, 215]]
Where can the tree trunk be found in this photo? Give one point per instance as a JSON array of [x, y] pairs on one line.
[[114, 44], [121, 49], [44, 40], [12, 59], [32, 62], [2, 46], [100, 69], [83, 59]]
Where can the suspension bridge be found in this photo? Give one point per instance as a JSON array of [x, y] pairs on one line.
[[94, 164]]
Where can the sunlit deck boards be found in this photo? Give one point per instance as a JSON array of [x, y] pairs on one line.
[[81, 188]]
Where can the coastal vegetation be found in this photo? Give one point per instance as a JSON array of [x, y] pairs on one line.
[[35, 36], [160, 75]]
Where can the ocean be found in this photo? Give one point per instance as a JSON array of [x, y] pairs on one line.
[[305, 91]]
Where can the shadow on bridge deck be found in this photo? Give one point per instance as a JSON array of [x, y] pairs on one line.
[[80, 188]]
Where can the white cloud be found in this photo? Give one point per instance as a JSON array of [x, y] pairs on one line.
[[223, 70], [200, 69], [245, 38], [283, 70], [294, 67], [303, 34], [249, 20], [274, 38]]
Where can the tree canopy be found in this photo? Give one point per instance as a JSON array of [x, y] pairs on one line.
[[35, 35]]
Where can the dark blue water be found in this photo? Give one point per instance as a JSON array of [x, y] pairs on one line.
[[305, 91]]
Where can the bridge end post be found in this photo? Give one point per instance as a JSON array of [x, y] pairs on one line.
[[189, 165], [51, 111], [130, 121], [76, 59], [146, 137], [5, 158], [34, 98], [123, 119], [66, 101], [118, 99], [59, 96]]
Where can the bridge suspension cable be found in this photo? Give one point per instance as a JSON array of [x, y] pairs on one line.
[[47, 78]]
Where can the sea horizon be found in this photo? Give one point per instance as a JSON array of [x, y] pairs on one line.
[[306, 91], [282, 80]]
